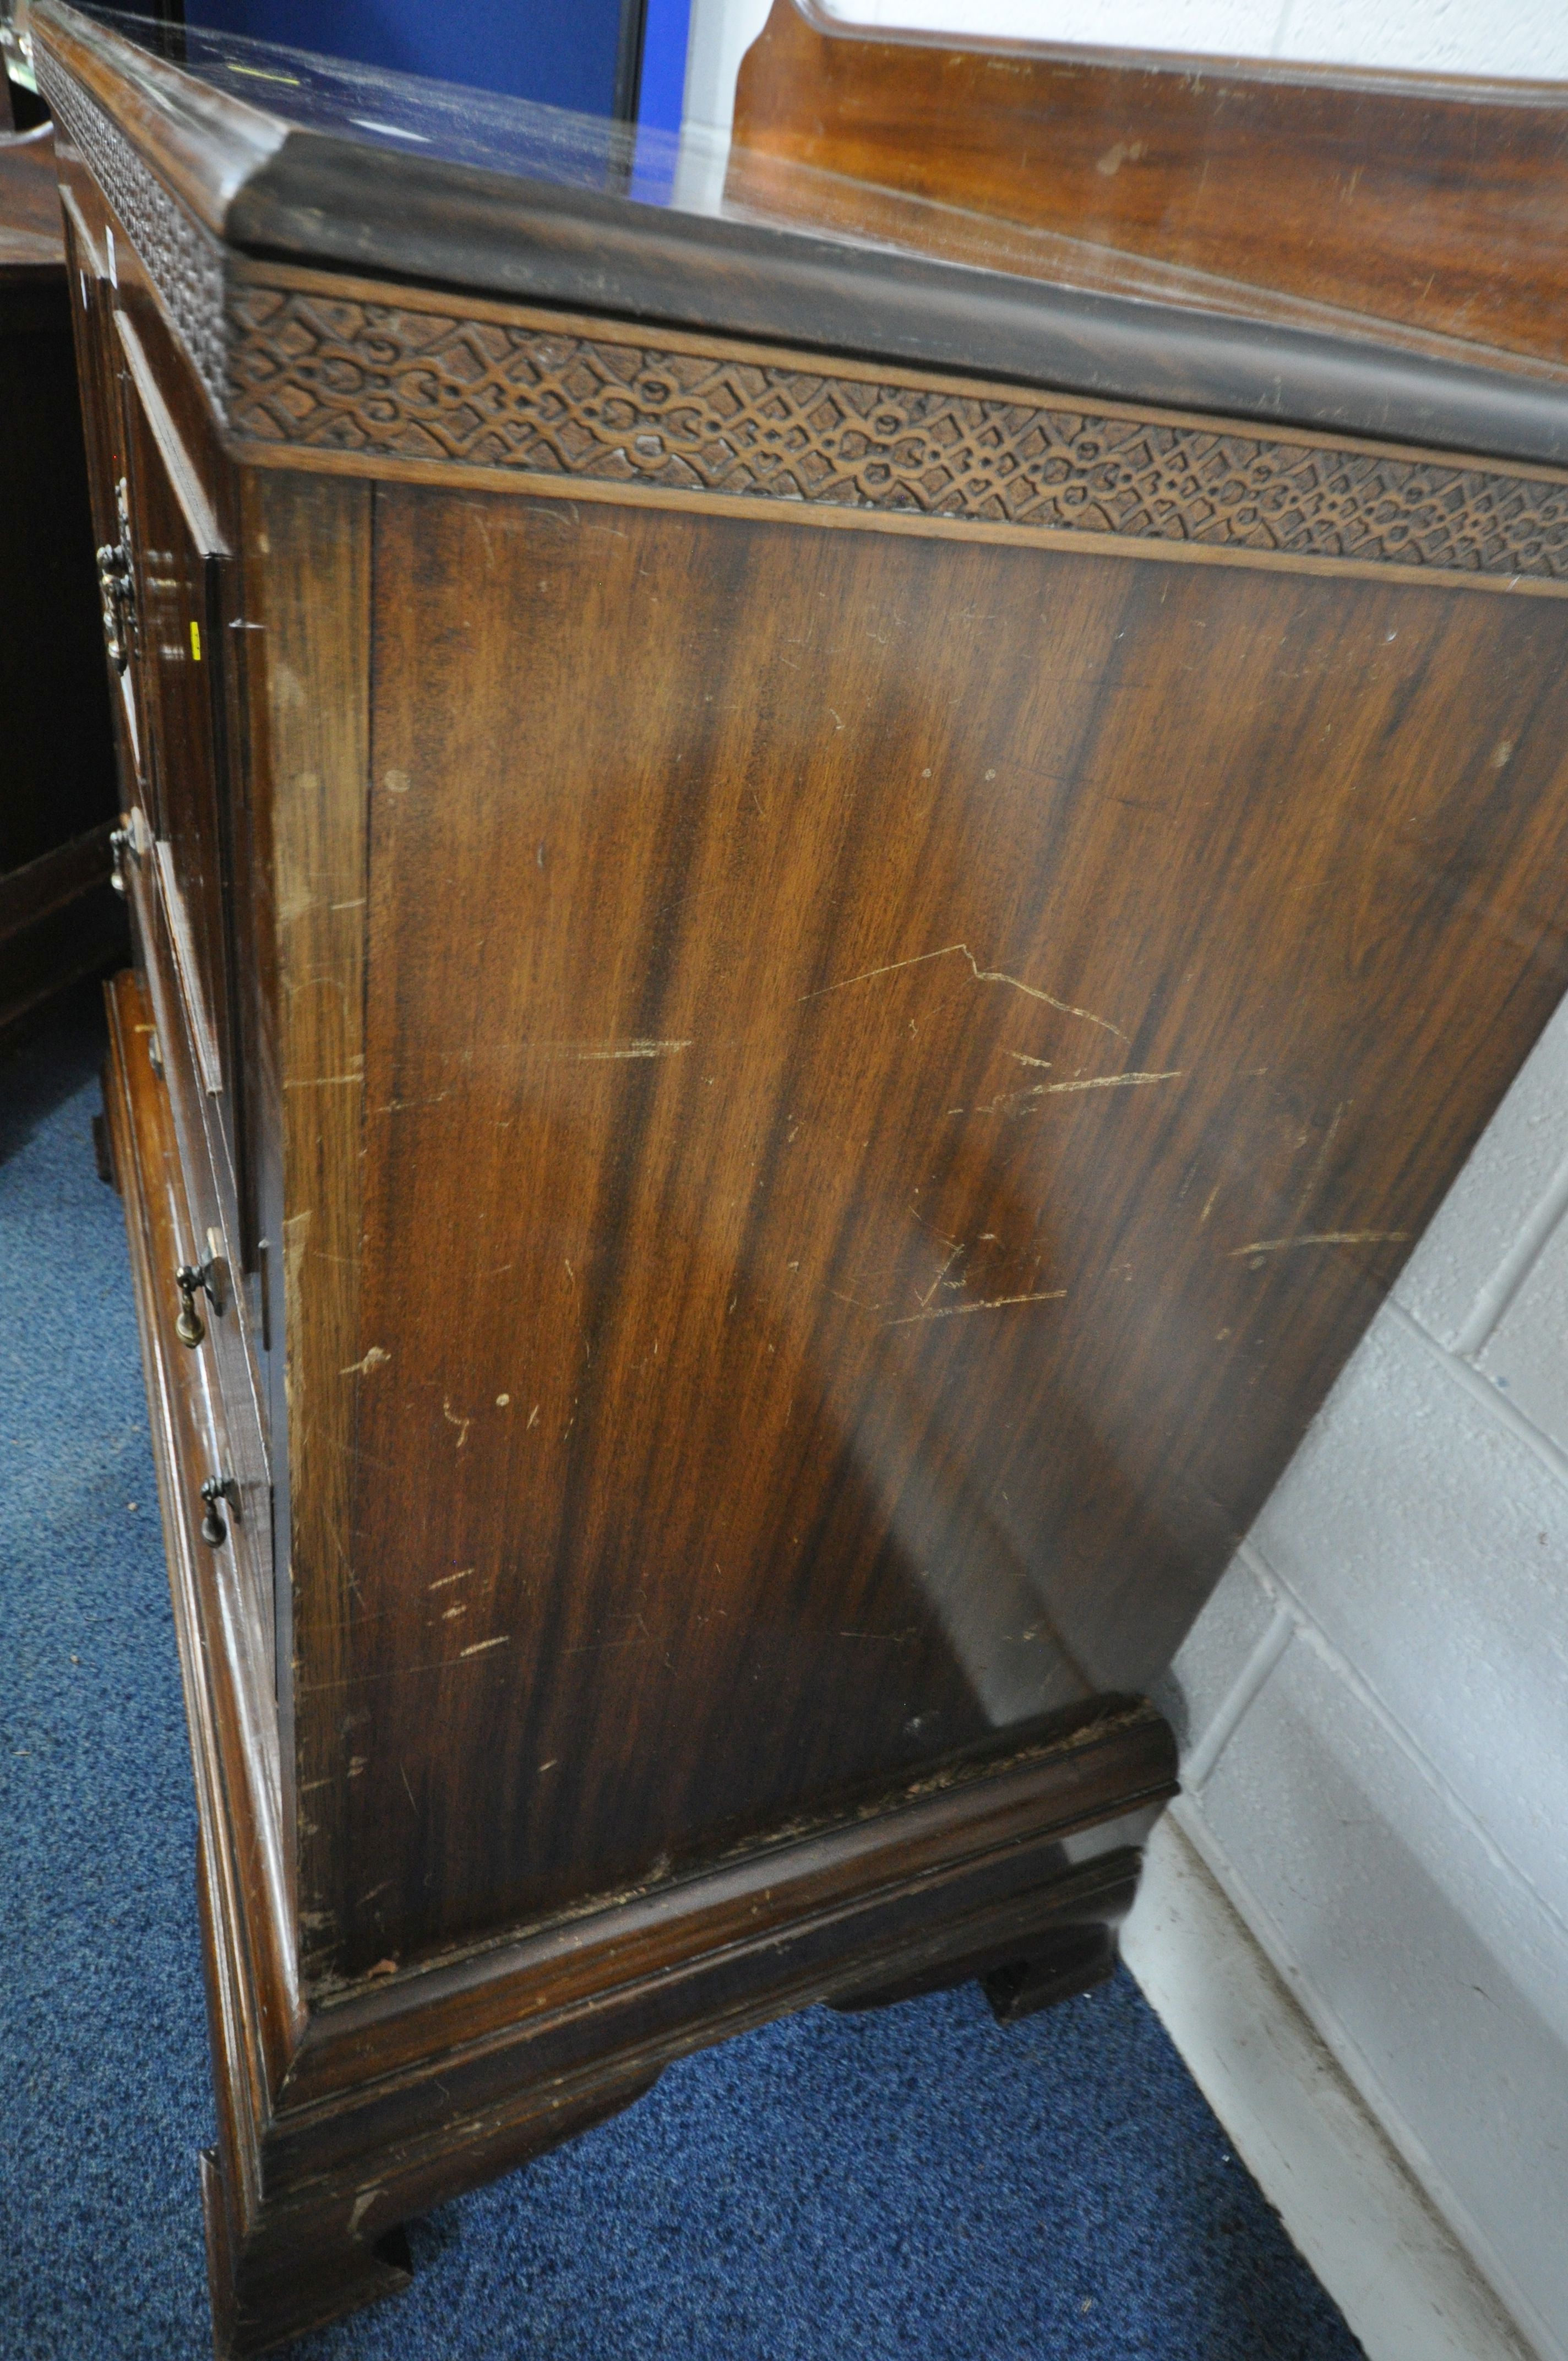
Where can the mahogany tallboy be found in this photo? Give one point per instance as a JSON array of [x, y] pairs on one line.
[[823, 878]]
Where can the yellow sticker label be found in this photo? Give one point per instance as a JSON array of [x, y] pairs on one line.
[[195, 641]]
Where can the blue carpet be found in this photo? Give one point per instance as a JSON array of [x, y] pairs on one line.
[[915, 2182]]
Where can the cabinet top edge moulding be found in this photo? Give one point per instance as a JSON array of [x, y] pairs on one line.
[[841, 228]]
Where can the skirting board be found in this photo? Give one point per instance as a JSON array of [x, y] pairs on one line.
[[1405, 2287]]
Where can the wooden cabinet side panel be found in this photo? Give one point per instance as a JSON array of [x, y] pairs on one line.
[[897, 1072], [308, 556]]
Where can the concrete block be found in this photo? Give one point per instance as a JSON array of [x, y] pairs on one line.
[[1526, 38], [1513, 37], [1407, 2290], [1526, 1357], [1214, 1656], [1505, 1201], [1429, 1543], [1365, 1882]]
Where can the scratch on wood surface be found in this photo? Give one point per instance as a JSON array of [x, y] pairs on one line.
[[375, 1358], [572, 1052], [936, 1283], [480, 1646], [1310, 1187], [1025, 1060], [450, 1415], [1054, 1090], [362, 2204], [639, 1049], [296, 1243], [442, 1580], [1209, 1203], [982, 975], [1319, 1238], [319, 1082], [994, 1303], [1111, 1081]]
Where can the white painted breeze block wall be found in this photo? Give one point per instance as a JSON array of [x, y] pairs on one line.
[[1374, 1706], [1374, 1711], [1523, 37]]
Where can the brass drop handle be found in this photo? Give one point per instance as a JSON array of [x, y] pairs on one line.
[[189, 1328], [216, 1489], [127, 844], [209, 1279]]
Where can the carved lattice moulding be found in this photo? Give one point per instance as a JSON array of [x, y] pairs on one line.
[[391, 380], [315, 368]]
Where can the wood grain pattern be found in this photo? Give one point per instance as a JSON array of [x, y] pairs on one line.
[[903, 1191], [309, 690], [335, 2127], [1409, 198], [764, 185]]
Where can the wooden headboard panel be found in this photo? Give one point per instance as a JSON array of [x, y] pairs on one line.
[[1432, 202]]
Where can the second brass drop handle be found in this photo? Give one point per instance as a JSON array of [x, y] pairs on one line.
[[208, 1278], [189, 1328], [214, 1491]]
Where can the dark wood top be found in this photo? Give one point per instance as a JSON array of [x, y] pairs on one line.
[[412, 180]]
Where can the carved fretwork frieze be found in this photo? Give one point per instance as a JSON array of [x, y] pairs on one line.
[[302, 369], [387, 380], [183, 260]]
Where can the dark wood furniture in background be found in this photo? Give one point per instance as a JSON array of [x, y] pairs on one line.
[[59, 920], [1423, 203], [799, 983]]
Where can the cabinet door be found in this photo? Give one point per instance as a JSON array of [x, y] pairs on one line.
[[177, 557], [99, 370]]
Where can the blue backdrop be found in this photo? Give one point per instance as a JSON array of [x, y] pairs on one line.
[[527, 48]]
